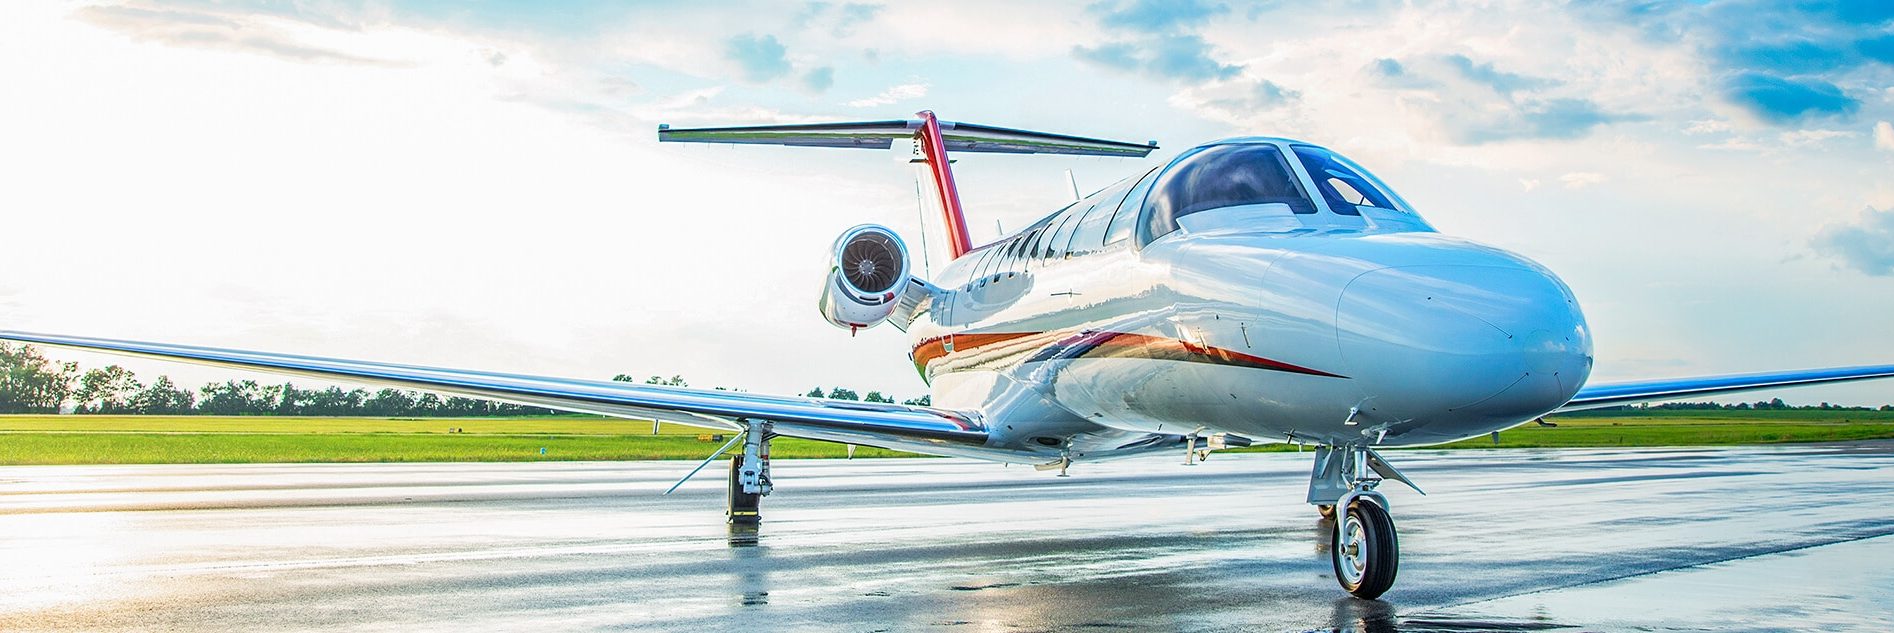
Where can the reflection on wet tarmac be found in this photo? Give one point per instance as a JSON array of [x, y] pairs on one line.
[[743, 535], [1508, 540]]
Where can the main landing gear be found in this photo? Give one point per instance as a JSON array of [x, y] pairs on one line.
[[749, 475], [1363, 548]]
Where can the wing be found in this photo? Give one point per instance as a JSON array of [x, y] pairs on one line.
[[871, 424], [1615, 394]]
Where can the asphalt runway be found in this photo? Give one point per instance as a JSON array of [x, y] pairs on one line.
[[1790, 538]]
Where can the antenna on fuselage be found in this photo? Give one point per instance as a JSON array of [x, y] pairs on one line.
[[1073, 183]]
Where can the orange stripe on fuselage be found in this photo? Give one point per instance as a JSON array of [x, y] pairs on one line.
[[1110, 345]]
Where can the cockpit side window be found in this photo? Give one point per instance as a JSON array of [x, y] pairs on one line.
[[1127, 216], [1343, 185], [1223, 176], [1089, 237]]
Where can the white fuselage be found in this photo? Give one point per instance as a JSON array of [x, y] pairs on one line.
[[1251, 320]]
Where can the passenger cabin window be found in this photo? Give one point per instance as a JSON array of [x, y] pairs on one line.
[[1345, 187], [1223, 176], [985, 265], [1055, 247], [1013, 252], [1035, 242]]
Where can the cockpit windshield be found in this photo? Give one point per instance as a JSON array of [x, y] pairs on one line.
[[1223, 176], [1345, 186]]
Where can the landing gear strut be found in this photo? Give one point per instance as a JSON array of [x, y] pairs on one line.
[[749, 475], [1364, 549]]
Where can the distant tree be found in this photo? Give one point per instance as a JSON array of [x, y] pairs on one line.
[[427, 405], [1887, 407], [389, 403], [814, 393], [923, 401], [875, 396], [287, 399], [108, 390], [163, 398], [674, 381], [624, 378], [335, 401], [233, 397], [839, 393], [457, 406], [31, 384]]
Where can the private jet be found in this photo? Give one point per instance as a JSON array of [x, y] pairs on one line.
[[1250, 290]]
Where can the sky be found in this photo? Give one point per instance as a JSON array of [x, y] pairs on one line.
[[478, 184]]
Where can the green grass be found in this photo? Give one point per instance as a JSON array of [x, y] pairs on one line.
[[72, 439], [1695, 428], [1653, 428]]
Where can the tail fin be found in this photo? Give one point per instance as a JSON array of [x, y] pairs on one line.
[[933, 138]]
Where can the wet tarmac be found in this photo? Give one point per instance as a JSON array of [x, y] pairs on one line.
[[1790, 538]]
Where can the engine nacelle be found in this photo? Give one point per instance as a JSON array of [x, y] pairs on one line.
[[867, 274]]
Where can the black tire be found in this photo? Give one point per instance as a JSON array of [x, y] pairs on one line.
[[1371, 571], [744, 508], [1327, 511]]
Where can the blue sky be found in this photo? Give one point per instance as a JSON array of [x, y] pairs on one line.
[[477, 184]]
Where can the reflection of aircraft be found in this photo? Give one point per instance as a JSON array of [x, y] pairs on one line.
[[1250, 290]]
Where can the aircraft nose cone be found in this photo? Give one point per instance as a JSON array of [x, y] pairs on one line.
[[1469, 343]]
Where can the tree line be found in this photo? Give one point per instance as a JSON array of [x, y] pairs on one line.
[[838, 393], [31, 383], [1772, 404]]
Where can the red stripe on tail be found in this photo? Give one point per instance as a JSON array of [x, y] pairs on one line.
[[934, 147]]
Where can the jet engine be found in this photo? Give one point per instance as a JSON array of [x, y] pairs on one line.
[[867, 274]]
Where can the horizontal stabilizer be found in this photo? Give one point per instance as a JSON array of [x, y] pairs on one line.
[[958, 137]]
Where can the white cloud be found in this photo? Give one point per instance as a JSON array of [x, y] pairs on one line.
[[1736, 144], [1884, 136], [1865, 243], [1811, 137], [267, 35], [1529, 184], [894, 94], [1709, 126], [1581, 179]]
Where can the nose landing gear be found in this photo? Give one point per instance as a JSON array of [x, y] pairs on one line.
[[1364, 548], [1365, 551]]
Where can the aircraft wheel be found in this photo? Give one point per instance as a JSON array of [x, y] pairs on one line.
[[744, 508], [1365, 550], [1327, 511]]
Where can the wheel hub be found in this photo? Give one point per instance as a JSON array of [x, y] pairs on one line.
[[1354, 562]]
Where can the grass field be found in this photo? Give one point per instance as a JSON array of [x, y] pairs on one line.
[[1695, 428], [43, 439], [104, 439]]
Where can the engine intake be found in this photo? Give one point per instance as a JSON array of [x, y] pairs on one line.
[[866, 276]]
